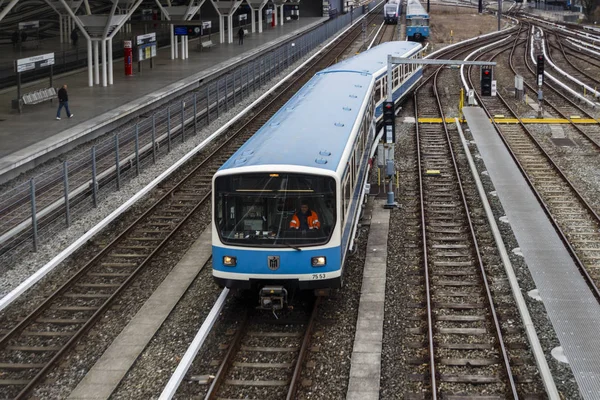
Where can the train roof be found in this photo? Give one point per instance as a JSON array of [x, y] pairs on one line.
[[312, 127], [373, 60], [414, 8], [316, 124]]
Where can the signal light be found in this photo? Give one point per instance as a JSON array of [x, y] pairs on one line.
[[486, 81], [540, 64]]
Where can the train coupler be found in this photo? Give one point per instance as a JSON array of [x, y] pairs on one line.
[[272, 298]]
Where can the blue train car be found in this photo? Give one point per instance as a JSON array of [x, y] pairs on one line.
[[392, 11], [417, 21], [313, 154]]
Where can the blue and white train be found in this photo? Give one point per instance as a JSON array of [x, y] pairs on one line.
[[417, 21], [392, 11], [316, 150]]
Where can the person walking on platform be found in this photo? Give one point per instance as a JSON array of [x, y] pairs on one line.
[[241, 35], [74, 37], [63, 101]]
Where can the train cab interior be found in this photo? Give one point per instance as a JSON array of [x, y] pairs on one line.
[[256, 209]]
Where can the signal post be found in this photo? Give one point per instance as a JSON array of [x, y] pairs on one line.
[[389, 116]]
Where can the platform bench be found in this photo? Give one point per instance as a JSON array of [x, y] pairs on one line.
[[39, 96], [207, 44]]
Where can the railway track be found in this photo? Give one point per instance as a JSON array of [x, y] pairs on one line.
[[577, 222], [264, 359], [465, 344], [29, 348], [461, 337]]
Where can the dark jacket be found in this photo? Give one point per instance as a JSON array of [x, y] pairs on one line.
[[62, 95], [241, 33]]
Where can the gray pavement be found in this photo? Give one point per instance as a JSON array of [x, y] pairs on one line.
[[106, 374], [365, 371], [26, 137], [571, 306]]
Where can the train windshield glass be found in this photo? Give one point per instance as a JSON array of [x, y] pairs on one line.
[[275, 209]]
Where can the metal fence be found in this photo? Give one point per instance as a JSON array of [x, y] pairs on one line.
[[99, 171]]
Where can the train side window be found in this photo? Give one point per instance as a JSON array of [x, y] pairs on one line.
[[378, 91]]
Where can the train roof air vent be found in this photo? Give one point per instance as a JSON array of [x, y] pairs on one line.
[[346, 109], [248, 152], [325, 153], [240, 161], [276, 123], [357, 86], [321, 161], [353, 96], [340, 124]]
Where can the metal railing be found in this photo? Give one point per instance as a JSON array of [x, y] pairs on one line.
[[83, 179]]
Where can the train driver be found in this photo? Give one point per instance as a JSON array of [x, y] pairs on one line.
[[305, 218]]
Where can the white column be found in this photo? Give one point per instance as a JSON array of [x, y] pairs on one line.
[[253, 19], [282, 18], [230, 28], [90, 65], [172, 43], [62, 30], [104, 75], [222, 29], [96, 64], [275, 14], [187, 47], [183, 47], [260, 22], [110, 62], [176, 46]]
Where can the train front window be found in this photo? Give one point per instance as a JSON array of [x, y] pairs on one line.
[[275, 209]]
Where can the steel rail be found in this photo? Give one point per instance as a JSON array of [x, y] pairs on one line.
[[291, 394], [580, 265], [430, 339]]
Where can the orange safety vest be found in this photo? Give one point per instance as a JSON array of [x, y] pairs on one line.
[[312, 220]]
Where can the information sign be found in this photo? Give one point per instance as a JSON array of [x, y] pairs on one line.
[[187, 30], [29, 25], [144, 39], [243, 17], [146, 46], [493, 88], [30, 63], [206, 24]]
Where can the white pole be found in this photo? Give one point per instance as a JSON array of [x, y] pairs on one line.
[[282, 19], [275, 15], [90, 66], [222, 29], [176, 46], [96, 62], [62, 29], [104, 80], [260, 23], [253, 19], [187, 47], [110, 62], [172, 43], [183, 47], [230, 28]]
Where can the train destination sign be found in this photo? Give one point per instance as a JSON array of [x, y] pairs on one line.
[[31, 63]]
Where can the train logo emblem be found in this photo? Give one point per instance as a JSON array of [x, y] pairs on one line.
[[273, 262]]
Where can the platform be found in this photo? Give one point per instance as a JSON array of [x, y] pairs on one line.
[[25, 138], [571, 306]]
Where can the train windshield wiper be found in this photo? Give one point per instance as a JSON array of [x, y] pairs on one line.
[[292, 246]]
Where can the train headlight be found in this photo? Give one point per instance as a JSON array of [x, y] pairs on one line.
[[229, 261], [318, 261]]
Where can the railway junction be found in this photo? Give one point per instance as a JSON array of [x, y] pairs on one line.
[[481, 284]]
